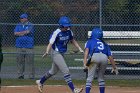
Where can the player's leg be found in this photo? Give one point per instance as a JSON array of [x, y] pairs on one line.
[[54, 69], [29, 59], [101, 81], [95, 60], [20, 63], [91, 73], [60, 62], [101, 71]]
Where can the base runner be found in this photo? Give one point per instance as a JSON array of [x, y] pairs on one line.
[[57, 47]]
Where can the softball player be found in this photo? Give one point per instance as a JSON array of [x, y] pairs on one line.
[[58, 46], [100, 53]]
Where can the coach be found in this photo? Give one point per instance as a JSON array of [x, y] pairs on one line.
[[24, 32]]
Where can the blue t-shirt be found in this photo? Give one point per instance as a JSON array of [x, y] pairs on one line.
[[26, 41], [59, 40], [97, 46]]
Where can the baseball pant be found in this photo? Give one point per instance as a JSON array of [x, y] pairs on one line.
[[25, 56], [99, 64], [58, 63]]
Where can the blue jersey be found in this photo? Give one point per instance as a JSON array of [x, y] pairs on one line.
[[97, 46], [59, 40], [26, 41]]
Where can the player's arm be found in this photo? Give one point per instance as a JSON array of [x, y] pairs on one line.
[[74, 42], [47, 50], [112, 62], [111, 59], [76, 45], [114, 67], [51, 41], [86, 57]]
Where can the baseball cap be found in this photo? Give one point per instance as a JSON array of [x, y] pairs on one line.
[[24, 15]]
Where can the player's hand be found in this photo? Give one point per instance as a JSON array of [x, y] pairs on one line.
[[115, 70], [81, 50], [85, 68], [45, 54]]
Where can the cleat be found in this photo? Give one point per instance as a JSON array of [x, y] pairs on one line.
[[40, 86], [78, 90]]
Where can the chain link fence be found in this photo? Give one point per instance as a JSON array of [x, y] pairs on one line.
[[110, 15]]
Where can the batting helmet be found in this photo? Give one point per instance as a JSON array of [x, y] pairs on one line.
[[64, 21], [97, 33]]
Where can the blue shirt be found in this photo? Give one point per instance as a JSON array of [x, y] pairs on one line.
[[26, 41], [59, 40], [97, 46]]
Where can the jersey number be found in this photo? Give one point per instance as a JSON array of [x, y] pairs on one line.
[[65, 42], [100, 45]]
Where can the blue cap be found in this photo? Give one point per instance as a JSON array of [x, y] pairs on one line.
[[24, 16]]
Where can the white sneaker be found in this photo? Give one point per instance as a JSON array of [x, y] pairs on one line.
[[78, 90], [40, 86]]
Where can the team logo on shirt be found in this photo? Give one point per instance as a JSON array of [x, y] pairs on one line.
[[64, 38]]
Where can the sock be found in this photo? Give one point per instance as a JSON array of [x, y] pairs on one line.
[[44, 78], [102, 86], [88, 86], [102, 89], [88, 89], [67, 78]]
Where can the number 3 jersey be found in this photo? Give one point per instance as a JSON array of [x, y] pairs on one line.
[[59, 40], [97, 46]]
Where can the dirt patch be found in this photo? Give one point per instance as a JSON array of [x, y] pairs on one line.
[[64, 89]]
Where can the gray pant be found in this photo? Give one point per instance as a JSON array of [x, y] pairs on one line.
[[25, 56], [58, 63], [100, 62]]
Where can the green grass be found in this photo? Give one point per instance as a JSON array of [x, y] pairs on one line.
[[121, 83]]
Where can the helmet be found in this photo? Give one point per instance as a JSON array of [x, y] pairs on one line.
[[64, 21], [97, 33]]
